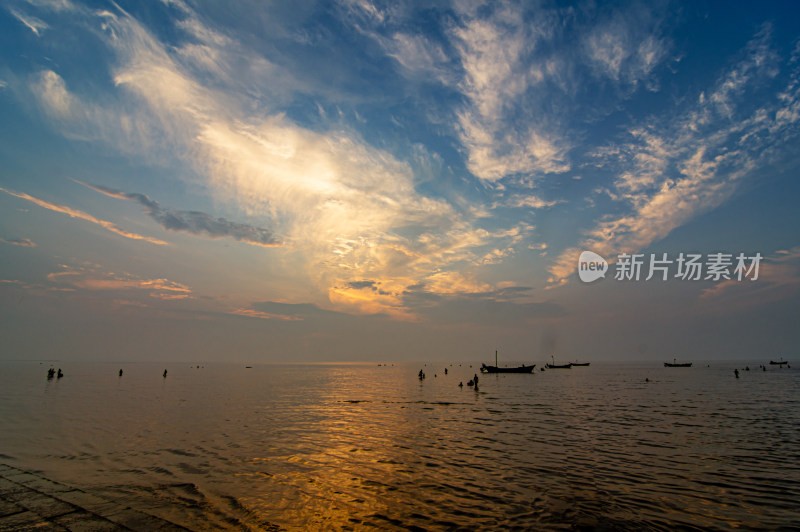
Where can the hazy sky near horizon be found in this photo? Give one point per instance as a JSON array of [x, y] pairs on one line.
[[358, 180]]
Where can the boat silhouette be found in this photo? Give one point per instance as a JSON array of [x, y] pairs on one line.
[[497, 369], [676, 364], [557, 366]]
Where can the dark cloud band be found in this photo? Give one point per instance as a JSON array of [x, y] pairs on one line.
[[194, 222]]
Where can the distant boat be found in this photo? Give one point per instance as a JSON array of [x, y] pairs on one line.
[[497, 369], [675, 364], [557, 366], [781, 362], [581, 363]]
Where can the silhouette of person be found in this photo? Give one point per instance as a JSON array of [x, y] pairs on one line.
[[59, 373], [120, 373], [165, 374]]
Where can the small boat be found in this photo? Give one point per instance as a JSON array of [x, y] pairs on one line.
[[781, 362], [557, 366], [676, 364], [497, 369], [518, 369], [581, 363]]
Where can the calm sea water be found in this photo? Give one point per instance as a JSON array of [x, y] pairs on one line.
[[364, 446]]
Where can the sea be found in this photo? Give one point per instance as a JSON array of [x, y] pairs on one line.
[[612, 446]]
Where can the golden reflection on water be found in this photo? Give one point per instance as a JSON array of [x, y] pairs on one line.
[[359, 462]]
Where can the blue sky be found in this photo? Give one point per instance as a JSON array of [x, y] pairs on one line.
[[358, 180]]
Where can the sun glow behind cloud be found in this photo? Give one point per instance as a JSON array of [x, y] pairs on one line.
[[385, 160], [340, 202]]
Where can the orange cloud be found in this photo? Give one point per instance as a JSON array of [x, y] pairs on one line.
[[24, 242], [250, 313], [91, 278]]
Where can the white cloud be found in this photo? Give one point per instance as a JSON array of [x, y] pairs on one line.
[[417, 54], [673, 171], [627, 47], [53, 5], [54, 95], [608, 50], [531, 201], [32, 23], [495, 56], [350, 210]]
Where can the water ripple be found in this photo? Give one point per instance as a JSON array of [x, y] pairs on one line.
[[354, 446]]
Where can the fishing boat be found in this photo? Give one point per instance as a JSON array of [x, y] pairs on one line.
[[557, 366], [780, 362], [517, 369], [676, 364], [497, 369], [581, 363]]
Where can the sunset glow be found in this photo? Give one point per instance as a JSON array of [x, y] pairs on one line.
[[374, 181]]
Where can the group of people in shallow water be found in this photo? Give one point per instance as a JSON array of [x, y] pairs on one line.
[[472, 382], [52, 373]]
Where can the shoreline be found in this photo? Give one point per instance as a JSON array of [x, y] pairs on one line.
[[29, 500]]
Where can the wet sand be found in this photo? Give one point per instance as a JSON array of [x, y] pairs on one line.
[[29, 501]]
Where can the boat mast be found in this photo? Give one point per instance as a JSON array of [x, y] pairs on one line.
[[495, 358]]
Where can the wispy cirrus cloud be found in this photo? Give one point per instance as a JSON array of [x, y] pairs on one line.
[[252, 313], [75, 213], [626, 47], [24, 242], [193, 222], [672, 172], [530, 201], [489, 54], [94, 278], [517, 69], [495, 53], [31, 22]]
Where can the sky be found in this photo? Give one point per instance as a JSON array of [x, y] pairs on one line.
[[385, 181]]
